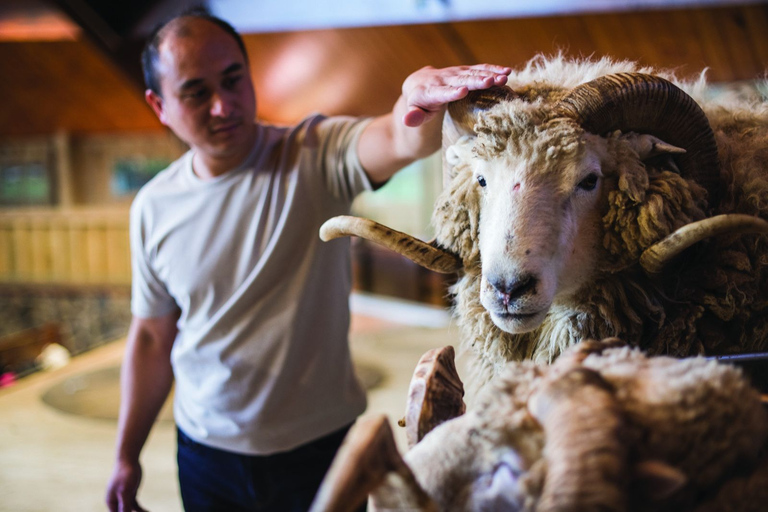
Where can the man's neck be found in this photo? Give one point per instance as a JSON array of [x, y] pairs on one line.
[[208, 166]]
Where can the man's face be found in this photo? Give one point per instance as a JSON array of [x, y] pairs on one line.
[[207, 97]]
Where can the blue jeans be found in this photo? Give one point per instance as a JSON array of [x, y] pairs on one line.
[[214, 480]]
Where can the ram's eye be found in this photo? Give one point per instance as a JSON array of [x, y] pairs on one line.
[[481, 181], [589, 183]]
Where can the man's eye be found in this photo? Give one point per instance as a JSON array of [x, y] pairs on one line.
[[589, 183], [230, 82], [481, 181], [197, 94]]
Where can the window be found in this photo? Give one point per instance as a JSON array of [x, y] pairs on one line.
[[405, 203], [130, 174], [25, 184]]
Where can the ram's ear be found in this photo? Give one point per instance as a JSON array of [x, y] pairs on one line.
[[454, 156], [657, 480], [647, 146], [461, 116], [457, 125]]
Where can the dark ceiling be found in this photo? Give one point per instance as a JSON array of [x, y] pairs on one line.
[[119, 27]]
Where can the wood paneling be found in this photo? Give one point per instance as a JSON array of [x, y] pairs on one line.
[[360, 71], [65, 247], [66, 86], [71, 86]]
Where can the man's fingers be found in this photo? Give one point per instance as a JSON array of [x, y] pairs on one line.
[[414, 117], [500, 79], [428, 90], [503, 70], [477, 79], [432, 99], [113, 499], [126, 504]]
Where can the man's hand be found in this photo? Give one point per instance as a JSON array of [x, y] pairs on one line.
[[413, 129], [428, 90], [123, 486]]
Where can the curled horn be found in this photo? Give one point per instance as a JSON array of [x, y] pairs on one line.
[[425, 254], [658, 255], [435, 394], [585, 453], [362, 465], [459, 119], [649, 104]]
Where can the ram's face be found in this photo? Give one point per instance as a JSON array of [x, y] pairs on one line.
[[540, 223], [528, 177]]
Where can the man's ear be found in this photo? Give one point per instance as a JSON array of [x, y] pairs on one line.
[[156, 102]]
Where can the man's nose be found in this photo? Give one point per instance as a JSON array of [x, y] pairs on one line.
[[220, 106]]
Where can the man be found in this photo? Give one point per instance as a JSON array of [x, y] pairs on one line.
[[234, 295]]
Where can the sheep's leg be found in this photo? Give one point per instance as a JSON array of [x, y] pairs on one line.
[[435, 394], [365, 460]]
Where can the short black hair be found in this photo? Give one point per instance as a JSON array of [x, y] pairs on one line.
[[150, 54]]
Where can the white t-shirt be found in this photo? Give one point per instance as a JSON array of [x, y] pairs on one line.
[[261, 360]]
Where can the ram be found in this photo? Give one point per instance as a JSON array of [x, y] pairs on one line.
[[603, 428], [594, 198]]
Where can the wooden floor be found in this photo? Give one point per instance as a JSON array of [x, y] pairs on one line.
[[52, 460]]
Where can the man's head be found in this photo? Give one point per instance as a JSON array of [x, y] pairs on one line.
[[151, 53], [199, 85]]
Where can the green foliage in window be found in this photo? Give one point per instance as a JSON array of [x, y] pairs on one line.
[[25, 184], [129, 175]]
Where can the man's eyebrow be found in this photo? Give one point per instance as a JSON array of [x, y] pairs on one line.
[[191, 84], [232, 68], [195, 82]]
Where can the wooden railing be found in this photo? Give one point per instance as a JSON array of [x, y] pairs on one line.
[[78, 246]]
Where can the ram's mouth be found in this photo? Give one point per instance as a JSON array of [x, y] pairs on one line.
[[515, 323], [506, 315]]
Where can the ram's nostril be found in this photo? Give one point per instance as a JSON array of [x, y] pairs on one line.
[[511, 289]]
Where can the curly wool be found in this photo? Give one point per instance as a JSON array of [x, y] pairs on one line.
[[696, 417], [651, 391], [712, 300]]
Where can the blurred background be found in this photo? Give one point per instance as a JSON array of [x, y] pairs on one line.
[[77, 141]]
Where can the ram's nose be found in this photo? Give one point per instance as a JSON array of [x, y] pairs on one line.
[[511, 289]]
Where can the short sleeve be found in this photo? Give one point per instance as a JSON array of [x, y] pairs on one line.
[[344, 174], [149, 296]]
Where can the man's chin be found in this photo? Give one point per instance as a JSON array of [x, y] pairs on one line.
[[230, 142], [228, 134]]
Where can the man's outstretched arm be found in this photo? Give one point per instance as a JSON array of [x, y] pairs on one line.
[[413, 129]]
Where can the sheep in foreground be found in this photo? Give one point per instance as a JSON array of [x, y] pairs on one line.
[[603, 428], [590, 199]]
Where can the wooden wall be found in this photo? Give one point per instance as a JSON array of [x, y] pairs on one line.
[[360, 71], [69, 86], [74, 247], [72, 86]]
